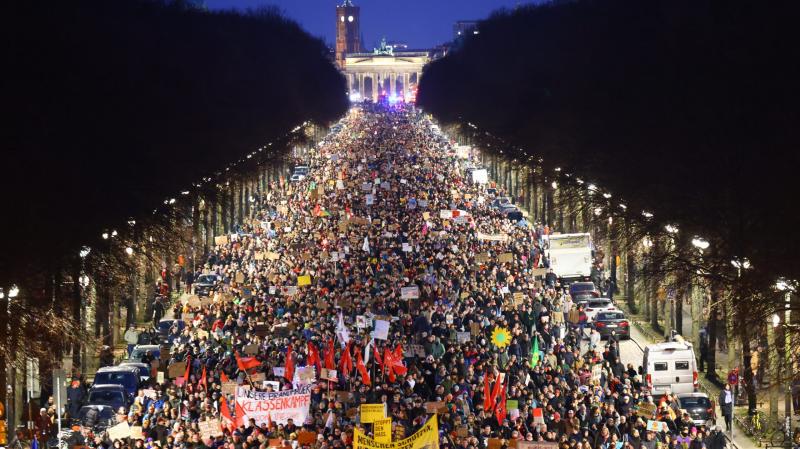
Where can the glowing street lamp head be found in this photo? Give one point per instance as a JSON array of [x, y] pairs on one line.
[[13, 292], [85, 252], [129, 251], [700, 243]]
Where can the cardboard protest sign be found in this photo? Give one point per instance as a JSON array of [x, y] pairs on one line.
[[210, 428], [229, 387], [272, 255], [305, 375], [303, 280], [137, 433], [258, 377], [382, 430], [482, 257], [239, 277], [250, 349], [120, 431], [539, 271], [505, 257], [475, 328], [493, 237], [536, 445], [279, 371], [381, 331], [176, 370], [329, 374], [646, 410], [436, 407], [411, 292], [372, 412], [597, 371], [289, 290], [362, 322], [343, 396], [305, 437], [657, 426], [519, 298], [463, 337], [221, 240]]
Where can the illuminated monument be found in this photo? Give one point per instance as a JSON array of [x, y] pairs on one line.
[[348, 34]]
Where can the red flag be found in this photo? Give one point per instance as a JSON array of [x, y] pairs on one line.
[[399, 368], [223, 377], [346, 361], [288, 372], [488, 401], [188, 371], [225, 412], [362, 369], [203, 380], [388, 364], [377, 356], [246, 363], [330, 354], [269, 420], [500, 411], [240, 421], [313, 356], [498, 385]]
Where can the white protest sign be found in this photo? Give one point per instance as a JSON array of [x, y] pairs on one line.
[[381, 331]]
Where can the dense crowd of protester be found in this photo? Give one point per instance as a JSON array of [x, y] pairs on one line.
[[487, 344]]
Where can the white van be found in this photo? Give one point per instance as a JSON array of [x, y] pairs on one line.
[[670, 366]]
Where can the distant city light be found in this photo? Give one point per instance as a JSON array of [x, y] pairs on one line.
[[671, 229], [129, 251], [85, 252], [647, 214], [700, 243]]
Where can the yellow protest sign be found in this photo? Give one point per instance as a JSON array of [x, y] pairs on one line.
[[383, 430], [372, 412], [427, 437], [303, 280]]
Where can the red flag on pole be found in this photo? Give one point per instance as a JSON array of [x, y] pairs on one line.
[[362, 369], [346, 361], [313, 356], [288, 372], [488, 401], [500, 411], [223, 377], [240, 421], [330, 354], [203, 380], [225, 412], [246, 363], [188, 371], [498, 385]]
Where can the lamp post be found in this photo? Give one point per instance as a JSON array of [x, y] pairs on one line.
[[787, 288], [10, 356]]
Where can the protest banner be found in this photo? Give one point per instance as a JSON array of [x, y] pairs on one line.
[[120, 431], [411, 292], [493, 237], [382, 430], [372, 412], [425, 438], [279, 406]]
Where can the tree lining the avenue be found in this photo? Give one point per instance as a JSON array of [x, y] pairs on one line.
[[683, 112], [134, 131]]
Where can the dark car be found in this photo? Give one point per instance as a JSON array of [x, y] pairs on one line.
[[583, 289], [164, 327], [98, 417], [114, 396], [612, 321], [144, 369], [699, 407], [205, 284], [125, 376]]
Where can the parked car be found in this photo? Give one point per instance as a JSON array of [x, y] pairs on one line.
[[595, 306], [205, 284], [501, 201], [670, 366], [699, 407], [144, 369], [583, 289], [96, 417], [164, 327], [126, 376], [613, 321], [141, 350], [111, 395]]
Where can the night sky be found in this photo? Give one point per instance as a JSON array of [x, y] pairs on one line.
[[420, 23]]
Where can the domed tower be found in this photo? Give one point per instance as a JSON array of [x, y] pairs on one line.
[[348, 34]]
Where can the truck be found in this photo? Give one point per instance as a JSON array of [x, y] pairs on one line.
[[570, 256]]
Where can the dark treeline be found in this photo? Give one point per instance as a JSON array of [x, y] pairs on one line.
[[687, 109], [113, 106]]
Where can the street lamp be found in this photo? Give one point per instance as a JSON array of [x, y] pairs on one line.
[[700, 243], [129, 251], [788, 288]]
